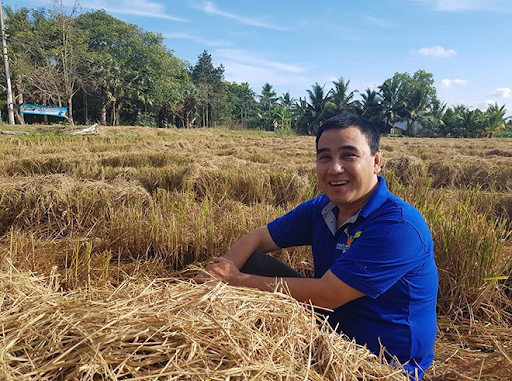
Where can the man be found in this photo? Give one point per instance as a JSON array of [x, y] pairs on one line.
[[373, 252]]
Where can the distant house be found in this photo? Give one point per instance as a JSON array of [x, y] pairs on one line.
[[400, 128]]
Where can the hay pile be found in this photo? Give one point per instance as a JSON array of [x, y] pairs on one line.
[[168, 330]]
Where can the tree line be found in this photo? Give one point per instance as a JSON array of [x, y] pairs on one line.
[[107, 71]]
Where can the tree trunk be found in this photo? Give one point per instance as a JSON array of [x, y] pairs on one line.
[[70, 110], [18, 99], [45, 117], [86, 114]]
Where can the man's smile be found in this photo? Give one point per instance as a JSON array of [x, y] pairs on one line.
[[338, 183]]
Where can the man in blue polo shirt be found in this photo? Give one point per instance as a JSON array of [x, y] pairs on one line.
[[373, 252]]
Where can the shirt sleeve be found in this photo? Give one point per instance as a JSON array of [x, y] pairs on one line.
[[295, 227]]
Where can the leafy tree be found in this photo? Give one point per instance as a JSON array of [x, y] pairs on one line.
[[415, 93], [110, 41], [48, 55], [184, 110], [18, 27], [242, 101], [208, 80], [268, 100]]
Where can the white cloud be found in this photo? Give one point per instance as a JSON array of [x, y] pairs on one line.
[[246, 57], [200, 40], [437, 51], [380, 22], [247, 66], [211, 9], [145, 8], [502, 92], [452, 83], [465, 5]]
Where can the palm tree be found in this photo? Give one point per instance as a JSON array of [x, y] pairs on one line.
[[371, 106], [302, 114], [341, 99], [435, 120], [268, 97], [286, 100], [416, 109], [471, 122], [317, 104], [496, 119], [393, 105]]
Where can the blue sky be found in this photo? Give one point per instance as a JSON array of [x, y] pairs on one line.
[[465, 44]]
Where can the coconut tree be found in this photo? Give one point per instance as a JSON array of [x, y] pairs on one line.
[[496, 119], [268, 97], [302, 114], [318, 100], [393, 105], [416, 108], [341, 99], [471, 122], [434, 122], [286, 100], [371, 105]]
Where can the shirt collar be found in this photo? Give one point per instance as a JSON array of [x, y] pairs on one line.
[[374, 202], [376, 199], [331, 220]]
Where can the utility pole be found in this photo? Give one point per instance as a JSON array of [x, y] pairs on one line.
[[10, 107]]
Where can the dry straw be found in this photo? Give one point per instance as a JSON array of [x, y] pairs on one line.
[[169, 329]]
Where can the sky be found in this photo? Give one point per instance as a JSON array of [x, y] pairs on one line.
[[464, 44]]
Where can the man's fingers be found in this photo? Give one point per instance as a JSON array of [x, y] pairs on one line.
[[203, 276]]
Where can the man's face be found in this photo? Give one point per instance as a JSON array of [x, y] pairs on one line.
[[345, 168]]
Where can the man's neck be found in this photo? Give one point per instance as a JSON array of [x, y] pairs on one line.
[[344, 213]]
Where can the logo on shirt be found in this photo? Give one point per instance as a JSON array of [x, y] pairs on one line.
[[350, 238]]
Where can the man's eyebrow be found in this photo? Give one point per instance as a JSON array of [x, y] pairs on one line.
[[340, 148]]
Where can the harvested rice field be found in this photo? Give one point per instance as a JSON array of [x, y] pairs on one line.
[[101, 235]]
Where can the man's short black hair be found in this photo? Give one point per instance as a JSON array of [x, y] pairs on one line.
[[340, 121]]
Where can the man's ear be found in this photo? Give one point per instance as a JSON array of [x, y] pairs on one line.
[[377, 162]]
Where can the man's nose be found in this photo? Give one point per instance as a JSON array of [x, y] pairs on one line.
[[336, 167]]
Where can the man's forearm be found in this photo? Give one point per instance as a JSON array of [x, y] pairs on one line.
[[327, 292], [307, 290], [257, 240]]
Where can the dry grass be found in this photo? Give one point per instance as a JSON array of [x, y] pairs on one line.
[[168, 329], [110, 214]]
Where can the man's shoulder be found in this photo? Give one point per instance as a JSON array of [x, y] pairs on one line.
[[390, 208], [319, 201]]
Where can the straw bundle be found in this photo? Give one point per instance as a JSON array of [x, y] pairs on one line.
[[167, 330]]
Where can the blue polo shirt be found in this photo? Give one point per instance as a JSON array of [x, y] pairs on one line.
[[386, 252]]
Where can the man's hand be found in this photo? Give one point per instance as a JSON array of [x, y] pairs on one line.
[[220, 268]]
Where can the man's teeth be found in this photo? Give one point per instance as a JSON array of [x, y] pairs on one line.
[[338, 182]]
